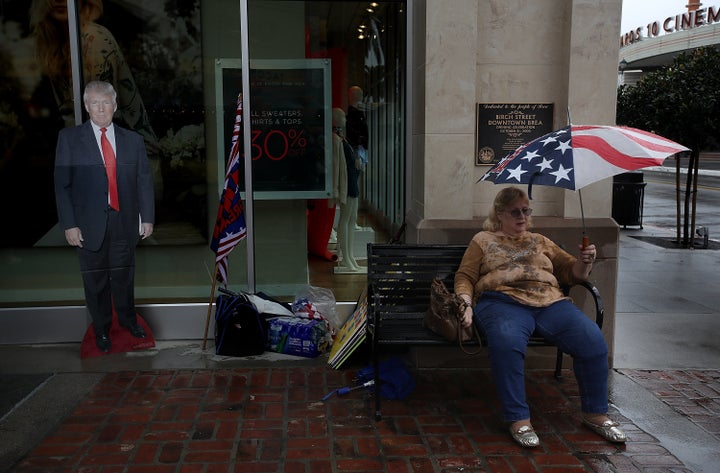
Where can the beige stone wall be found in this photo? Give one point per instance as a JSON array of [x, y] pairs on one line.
[[509, 51]]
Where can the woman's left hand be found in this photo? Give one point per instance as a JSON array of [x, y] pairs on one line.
[[587, 254]]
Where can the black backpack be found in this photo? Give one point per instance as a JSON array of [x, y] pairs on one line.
[[240, 330]]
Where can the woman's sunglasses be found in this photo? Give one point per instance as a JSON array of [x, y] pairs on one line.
[[516, 213]]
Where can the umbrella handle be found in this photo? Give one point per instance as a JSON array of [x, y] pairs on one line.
[[585, 241]]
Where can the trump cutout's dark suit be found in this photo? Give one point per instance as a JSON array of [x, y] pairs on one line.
[[107, 254]]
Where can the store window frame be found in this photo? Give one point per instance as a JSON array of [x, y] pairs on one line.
[[247, 143]]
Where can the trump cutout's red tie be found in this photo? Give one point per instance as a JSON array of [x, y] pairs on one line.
[[110, 168]]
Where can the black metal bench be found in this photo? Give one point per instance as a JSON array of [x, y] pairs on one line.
[[399, 278]]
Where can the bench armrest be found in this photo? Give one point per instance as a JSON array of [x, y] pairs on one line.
[[597, 299]]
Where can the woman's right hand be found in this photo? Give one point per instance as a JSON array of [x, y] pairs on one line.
[[467, 316]]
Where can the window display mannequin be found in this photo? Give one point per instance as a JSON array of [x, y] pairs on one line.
[[357, 128], [346, 169]]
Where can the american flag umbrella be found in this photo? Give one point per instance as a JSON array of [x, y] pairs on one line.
[[578, 155]]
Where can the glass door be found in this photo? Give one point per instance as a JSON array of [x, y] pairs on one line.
[[327, 133]]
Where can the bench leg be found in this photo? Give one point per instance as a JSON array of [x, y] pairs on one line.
[[558, 365], [376, 377]]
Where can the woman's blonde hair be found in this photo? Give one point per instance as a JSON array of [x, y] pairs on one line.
[[504, 199], [52, 40]]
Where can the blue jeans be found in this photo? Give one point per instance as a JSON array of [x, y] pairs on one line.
[[508, 325]]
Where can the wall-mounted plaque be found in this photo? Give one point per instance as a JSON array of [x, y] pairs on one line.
[[502, 127]]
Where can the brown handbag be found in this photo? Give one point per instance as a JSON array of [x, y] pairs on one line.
[[445, 315]]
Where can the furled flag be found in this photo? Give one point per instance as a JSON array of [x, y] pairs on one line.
[[230, 223]]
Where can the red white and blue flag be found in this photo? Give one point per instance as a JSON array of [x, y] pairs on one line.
[[578, 155], [230, 223]]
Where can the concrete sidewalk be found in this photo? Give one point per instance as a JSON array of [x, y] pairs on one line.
[[667, 346], [177, 409]]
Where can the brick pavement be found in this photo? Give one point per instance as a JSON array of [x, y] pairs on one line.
[[695, 394], [258, 420]]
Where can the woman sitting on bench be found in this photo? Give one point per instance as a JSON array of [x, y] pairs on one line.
[[510, 279]]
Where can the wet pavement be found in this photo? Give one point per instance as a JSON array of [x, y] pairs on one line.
[[179, 409]]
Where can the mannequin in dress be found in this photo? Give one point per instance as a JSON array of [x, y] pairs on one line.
[[346, 168]]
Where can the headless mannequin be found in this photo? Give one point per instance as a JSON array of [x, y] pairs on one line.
[[357, 128], [345, 194]]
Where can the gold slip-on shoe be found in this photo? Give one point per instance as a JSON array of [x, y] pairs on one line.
[[609, 430], [525, 436]]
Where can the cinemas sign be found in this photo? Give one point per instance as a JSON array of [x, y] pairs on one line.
[[672, 24]]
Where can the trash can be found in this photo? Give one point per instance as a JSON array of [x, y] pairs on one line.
[[702, 238], [628, 198]]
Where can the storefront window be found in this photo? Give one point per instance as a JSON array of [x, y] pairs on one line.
[[363, 44], [172, 64]]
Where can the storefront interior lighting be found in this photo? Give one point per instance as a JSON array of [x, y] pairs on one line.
[[370, 16]]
